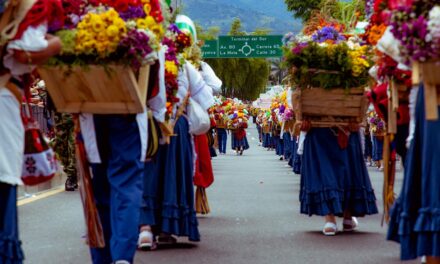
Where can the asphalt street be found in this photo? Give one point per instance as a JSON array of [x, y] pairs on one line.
[[255, 219]]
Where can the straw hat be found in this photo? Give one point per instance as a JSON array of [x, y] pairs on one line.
[[15, 12]]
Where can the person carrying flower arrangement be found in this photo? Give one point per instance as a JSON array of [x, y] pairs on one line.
[[111, 34], [28, 45], [414, 216], [170, 204], [239, 139], [334, 177]]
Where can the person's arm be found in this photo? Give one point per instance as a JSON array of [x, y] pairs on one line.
[[39, 57]]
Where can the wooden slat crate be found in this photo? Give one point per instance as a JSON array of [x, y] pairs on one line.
[[328, 108], [429, 73], [97, 90]]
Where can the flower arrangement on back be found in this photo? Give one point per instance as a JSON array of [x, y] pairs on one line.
[[124, 32], [176, 42], [327, 60], [416, 24]]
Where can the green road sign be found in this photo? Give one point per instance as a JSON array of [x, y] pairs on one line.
[[250, 46], [244, 47], [210, 49]]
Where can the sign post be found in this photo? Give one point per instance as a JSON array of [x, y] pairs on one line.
[[244, 47], [210, 49]]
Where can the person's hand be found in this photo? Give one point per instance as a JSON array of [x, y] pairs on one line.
[[35, 58], [306, 125]]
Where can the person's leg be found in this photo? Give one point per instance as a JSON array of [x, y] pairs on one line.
[[101, 191], [220, 140], [125, 172], [225, 141], [9, 225]]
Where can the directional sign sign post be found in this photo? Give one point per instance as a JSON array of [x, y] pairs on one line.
[[250, 46], [244, 47], [210, 49]]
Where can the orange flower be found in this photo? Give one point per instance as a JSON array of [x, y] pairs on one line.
[[375, 33]]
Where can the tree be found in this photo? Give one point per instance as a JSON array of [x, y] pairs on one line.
[[303, 9]]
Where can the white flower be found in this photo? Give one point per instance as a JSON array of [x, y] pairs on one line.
[[434, 24], [131, 24]]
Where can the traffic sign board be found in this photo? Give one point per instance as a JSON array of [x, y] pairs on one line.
[[244, 47], [250, 46], [210, 49]]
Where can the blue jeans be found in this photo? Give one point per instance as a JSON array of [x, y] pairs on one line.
[[222, 139], [117, 186]]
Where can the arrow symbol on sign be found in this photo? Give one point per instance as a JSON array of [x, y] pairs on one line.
[[246, 49]]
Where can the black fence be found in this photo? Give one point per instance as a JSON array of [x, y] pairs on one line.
[[41, 115]]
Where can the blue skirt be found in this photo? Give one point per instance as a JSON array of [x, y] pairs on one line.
[[334, 180], [170, 205], [150, 207], [235, 143], [10, 245], [279, 146], [415, 218], [287, 142], [267, 140]]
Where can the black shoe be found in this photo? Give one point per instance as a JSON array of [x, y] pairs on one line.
[[71, 185]]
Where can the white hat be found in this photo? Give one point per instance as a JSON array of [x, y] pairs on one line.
[[186, 25]]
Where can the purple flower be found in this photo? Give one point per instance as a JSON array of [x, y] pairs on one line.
[[133, 12], [299, 48], [327, 33], [136, 43]]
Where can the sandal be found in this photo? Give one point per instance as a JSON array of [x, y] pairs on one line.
[[350, 225], [146, 241], [330, 229], [167, 239]]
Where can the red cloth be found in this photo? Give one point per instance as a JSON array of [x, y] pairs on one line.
[[42, 11], [379, 97], [204, 175], [240, 133]]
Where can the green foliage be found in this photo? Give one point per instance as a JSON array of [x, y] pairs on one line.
[[346, 12], [242, 78], [303, 9]]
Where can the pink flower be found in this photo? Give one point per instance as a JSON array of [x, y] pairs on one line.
[[394, 4]]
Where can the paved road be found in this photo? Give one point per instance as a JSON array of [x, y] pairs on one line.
[[254, 219]]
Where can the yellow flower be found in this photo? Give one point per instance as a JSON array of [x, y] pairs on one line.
[[102, 36], [147, 9], [141, 24], [171, 67], [112, 31], [157, 30], [97, 24], [120, 24], [112, 14]]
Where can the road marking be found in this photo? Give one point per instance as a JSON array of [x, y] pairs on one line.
[[40, 196]]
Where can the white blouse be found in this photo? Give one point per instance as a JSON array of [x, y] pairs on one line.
[[158, 103], [191, 80]]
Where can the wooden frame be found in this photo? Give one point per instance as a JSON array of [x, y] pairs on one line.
[[328, 108], [111, 90]]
